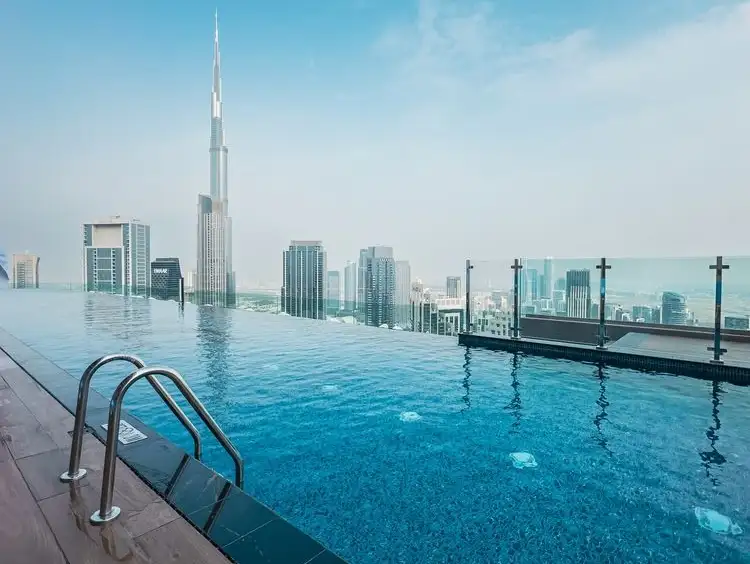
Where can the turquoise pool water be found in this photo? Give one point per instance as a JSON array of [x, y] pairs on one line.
[[395, 447]]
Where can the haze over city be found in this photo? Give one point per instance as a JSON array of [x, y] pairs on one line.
[[446, 130]]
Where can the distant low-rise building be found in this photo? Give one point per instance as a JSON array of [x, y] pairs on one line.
[[740, 322], [25, 270]]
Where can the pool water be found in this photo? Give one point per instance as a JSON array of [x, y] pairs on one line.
[[396, 447]]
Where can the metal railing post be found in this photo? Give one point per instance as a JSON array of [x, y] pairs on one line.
[[719, 267], [75, 472], [601, 338], [516, 329], [107, 511], [469, 266]]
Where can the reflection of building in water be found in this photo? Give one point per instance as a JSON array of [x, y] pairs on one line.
[[213, 332], [712, 457], [514, 405], [603, 404], [126, 319], [466, 383]]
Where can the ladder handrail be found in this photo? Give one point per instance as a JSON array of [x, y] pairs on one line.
[[107, 511], [75, 472]]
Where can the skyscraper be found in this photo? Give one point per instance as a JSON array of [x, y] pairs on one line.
[[215, 279], [334, 292], [361, 290], [673, 309], [402, 293], [117, 256], [548, 278], [350, 286], [578, 293], [379, 286], [25, 271], [304, 291], [453, 286]]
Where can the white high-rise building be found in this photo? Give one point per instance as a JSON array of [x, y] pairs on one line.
[[215, 279], [402, 294], [117, 256], [25, 271]]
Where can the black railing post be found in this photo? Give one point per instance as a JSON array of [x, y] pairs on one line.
[[467, 322], [719, 267], [602, 339], [516, 329]]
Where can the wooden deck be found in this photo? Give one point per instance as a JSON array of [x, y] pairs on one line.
[[43, 520], [738, 354]]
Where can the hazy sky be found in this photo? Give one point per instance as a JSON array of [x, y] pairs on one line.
[[446, 129]]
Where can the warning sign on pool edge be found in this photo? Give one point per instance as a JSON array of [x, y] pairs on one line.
[[127, 434]]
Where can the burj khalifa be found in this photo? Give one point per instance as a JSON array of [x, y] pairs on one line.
[[215, 279]]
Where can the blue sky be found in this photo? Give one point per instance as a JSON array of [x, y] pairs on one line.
[[437, 127]]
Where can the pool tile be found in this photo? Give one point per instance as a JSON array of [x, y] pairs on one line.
[[196, 489], [156, 460], [277, 542], [327, 557], [234, 516]]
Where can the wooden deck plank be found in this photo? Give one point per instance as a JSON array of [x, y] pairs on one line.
[[21, 431], [83, 543], [56, 420], [178, 542], [25, 536]]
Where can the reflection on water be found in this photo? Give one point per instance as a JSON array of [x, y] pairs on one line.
[[603, 404], [466, 383], [212, 332], [712, 457], [127, 319], [514, 406]]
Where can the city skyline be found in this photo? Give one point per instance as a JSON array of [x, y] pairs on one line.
[[598, 110]]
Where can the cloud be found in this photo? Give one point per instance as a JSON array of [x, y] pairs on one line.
[[568, 142]]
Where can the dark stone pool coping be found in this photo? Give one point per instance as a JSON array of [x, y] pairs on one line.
[[732, 374], [244, 529]]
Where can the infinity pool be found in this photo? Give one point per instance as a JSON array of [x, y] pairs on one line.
[[395, 447]]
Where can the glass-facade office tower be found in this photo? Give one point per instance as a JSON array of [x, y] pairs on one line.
[[548, 278], [117, 257], [305, 275], [350, 286], [166, 279], [673, 309], [215, 279], [25, 269], [453, 286], [402, 293], [578, 293], [378, 269], [334, 292]]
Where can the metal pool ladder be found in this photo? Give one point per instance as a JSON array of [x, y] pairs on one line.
[[108, 512]]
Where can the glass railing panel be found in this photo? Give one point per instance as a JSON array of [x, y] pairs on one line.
[[735, 308], [491, 301], [661, 290], [559, 287]]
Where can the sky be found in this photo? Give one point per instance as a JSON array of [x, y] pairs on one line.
[[446, 129]]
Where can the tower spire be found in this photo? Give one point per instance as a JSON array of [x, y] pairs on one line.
[[217, 59]]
